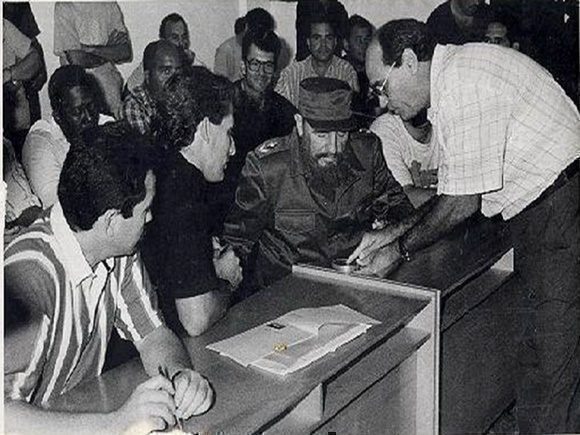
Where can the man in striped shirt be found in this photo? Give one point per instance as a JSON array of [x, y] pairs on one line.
[[77, 274], [509, 144], [322, 62]]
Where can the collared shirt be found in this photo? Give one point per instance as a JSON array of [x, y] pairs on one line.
[[228, 58], [289, 82], [401, 149], [505, 127], [77, 306], [86, 23], [43, 156], [139, 110]]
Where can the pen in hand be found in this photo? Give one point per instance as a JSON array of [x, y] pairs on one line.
[[163, 372]]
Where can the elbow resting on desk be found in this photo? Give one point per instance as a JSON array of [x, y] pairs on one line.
[[197, 314]]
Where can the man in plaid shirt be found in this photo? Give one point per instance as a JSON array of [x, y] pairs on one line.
[[509, 144], [161, 60]]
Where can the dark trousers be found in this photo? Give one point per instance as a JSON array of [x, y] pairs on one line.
[[546, 238]]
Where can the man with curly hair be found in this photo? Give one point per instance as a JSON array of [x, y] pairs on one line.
[[195, 276]]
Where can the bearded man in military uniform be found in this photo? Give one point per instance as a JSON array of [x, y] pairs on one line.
[[309, 197]]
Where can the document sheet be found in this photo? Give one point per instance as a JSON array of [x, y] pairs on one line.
[[296, 339]]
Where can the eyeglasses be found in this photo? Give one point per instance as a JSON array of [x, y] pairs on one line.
[[381, 89], [254, 65]]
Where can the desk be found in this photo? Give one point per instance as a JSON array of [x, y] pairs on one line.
[[385, 381], [473, 269]]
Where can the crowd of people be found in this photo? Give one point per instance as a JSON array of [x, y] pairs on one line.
[[149, 206]]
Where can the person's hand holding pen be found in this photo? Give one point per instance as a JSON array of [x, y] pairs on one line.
[[193, 394]]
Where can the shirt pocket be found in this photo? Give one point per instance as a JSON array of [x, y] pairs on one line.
[[295, 221]]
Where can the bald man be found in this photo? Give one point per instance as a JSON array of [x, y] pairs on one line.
[[161, 60]]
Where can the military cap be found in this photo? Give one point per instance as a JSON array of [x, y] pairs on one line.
[[326, 104]]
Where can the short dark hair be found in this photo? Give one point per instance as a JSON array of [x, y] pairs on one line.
[[267, 41], [171, 18], [151, 50], [358, 21], [240, 25], [67, 77], [320, 17], [259, 20], [104, 170], [397, 35], [189, 98]]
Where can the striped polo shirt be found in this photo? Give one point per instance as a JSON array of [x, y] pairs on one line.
[[289, 82], [76, 306], [505, 127]]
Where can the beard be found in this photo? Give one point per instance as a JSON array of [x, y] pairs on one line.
[[326, 179]]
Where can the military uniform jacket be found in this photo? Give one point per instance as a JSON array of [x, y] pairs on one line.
[[279, 216]]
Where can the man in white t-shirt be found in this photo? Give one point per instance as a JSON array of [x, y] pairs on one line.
[[412, 154]]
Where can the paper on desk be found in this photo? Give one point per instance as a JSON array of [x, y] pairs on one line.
[[307, 334]]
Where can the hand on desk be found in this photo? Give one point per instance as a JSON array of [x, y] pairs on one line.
[[382, 262], [371, 243], [193, 394], [227, 264], [150, 407]]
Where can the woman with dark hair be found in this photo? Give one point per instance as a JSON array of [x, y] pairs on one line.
[[194, 276]]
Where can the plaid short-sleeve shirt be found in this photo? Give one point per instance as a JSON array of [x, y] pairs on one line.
[[506, 129], [77, 307]]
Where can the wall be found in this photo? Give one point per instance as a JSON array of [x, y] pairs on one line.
[[211, 22], [377, 12]]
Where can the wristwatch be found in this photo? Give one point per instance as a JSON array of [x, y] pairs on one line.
[[405, 255]]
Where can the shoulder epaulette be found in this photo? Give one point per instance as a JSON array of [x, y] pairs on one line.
[[271, 146]]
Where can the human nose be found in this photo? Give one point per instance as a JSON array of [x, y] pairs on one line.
[[86, 115], [148, 216], [232, 146], [383, 101], [332, 142]]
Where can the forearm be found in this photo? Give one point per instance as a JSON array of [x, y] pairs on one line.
[[418, 196], [27, 68], [84, 59], [162, 348], [24, 418], [396, 230], [197, 314], [117, 53], [446, 213]]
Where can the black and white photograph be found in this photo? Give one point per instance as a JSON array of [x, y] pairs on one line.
[[326, 217]]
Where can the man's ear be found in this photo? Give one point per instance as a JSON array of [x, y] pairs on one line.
[[110, 222], [409, 60], [299, 124], [243, 68], [203, 129], [345, 45]]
